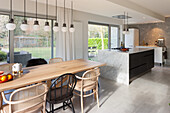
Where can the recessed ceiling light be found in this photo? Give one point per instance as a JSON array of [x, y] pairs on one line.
[[121, 17]]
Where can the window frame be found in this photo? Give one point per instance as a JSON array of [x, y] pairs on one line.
[[109, 31]]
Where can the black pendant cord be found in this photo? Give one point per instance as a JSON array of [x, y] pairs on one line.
[[124, 21], [24, 10], [64, 12], [72, 12], [127, 21], [46, 10], [36, 10], [56, 10], [11, 9]]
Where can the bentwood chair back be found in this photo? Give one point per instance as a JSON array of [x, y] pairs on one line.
[[55, 60], [6, 67], [31, 99], [61, 91], [89, 81]]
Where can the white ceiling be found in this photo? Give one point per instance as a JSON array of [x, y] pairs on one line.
[[160, 6], [109, 9]]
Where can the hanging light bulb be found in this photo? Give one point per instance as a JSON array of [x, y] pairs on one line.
[[47, 26], [24, 26], [10, 25], [72, 29], [36, 26], [56, 27], [124, 24], [64, 28], [127, 30]]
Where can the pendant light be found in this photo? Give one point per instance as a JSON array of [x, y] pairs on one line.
[[72, 29], [124, 24], [56, 28], [36, 26], [24, 26], [46, 27], [64, 28], [127, 26], [10, 25]]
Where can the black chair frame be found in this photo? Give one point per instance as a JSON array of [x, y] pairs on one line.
[[69, 87]]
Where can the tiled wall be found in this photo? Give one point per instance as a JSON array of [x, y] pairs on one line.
[[149, 33]]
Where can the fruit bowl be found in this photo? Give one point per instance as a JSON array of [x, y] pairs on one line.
[[6, 78]]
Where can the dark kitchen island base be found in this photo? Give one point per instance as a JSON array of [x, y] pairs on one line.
[[124, 67]]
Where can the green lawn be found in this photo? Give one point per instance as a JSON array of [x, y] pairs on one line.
[[38, 52]]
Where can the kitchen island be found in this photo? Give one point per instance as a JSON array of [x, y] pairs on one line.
[[124, 67]]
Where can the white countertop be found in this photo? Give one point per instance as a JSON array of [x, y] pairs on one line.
[[131, 51]]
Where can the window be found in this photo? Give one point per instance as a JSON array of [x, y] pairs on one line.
[[34, 44], [114, 37], [4, 39], [97, 39]]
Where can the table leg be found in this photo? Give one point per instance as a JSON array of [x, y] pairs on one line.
[[1, 101], [48, 83], [94, 93]]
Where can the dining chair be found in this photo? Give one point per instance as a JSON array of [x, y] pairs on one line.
[[35, 62], [61, 91], [6, 67], [86, 83], [31, 99], [55, 60]]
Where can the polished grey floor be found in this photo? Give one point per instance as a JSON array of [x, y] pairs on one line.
[[148, 94]]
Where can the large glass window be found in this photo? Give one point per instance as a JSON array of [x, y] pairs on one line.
[[4, 39], [34, 44], [97, 39], [102, 37], [114, 37]]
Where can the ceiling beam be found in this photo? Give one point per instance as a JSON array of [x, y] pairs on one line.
[[133, 6]]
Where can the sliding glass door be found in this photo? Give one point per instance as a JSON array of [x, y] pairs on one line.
[[31, 44], [97, 39], [4, 39]]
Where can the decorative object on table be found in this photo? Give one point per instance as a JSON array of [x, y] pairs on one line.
[[17, 70], [24, 26], [5, 77], [72, 29], [124, 49], [47, 26], [11, 25], [56, 27]]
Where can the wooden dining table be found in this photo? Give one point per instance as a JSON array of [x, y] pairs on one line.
[[47, 72]]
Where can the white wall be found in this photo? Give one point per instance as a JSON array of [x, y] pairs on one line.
[[80, 17]]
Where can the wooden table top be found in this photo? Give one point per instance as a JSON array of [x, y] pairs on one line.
[[49, 71]]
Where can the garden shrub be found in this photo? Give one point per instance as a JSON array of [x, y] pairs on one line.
[[97, 42], [3, 56]]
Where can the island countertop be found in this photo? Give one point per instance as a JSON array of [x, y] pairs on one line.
[[132, 50]]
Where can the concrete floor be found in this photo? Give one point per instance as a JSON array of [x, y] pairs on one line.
[[148, 94]]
